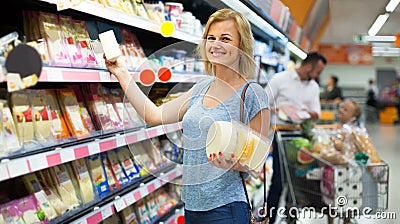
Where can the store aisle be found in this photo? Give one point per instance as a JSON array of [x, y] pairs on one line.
[[387, 142]]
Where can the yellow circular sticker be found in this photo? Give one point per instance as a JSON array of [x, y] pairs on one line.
[[167, 28]]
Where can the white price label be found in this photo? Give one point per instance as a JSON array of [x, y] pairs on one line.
[[94, 148], [129, 199], [121, 140], [54, 75], [105, 76], [38, 162], [107, 212], [67, 155], [18, 167], [3, 172], [119, 204]]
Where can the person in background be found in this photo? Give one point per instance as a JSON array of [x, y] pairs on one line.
[[332, 93], [297, 86], [212, 190], [372, 92]]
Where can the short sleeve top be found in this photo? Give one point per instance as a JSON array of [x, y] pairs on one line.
[[206, 187]]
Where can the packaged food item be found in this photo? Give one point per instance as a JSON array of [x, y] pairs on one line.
[[83, 39], [110, 45], [129, 116], [85, 114], [82, 176], [30, 210], [364, 144], [58, 125], [126, 6], [22, 112], [164, 201], [97, 107], [98, 53], [143, 212], [10, 213], [139, 8], [9, 138], [111, 176], [143, 156], [235, 138], [64, 184], [46, 184], [116, 167], [51, 32], [72, 112], [42, 119], [34, 187], [155, 150], [130, 168], [128, 216], [113, 219], [112, 110], [70, 42], [152, 206], [97, 172], [116, 96]]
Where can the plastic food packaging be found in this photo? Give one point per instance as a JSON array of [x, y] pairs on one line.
[[129, 166], [116, 167], [72, 112], [42, 117], [99, 178], [8, 135], [58, 127], [235, 138], [83, 39], [85, 114], [70, 42], [82, 176], [110, 45]]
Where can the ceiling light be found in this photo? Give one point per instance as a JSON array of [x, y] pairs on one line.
[[392, 5], [380, 38], [297, 51], [378, 24]]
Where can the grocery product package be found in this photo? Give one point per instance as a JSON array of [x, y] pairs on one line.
[[23, 210], [364, 144], [141, 151], [58, 127], [97, 107], [235, 138], [116, 96], [83, 39], [128, 215], [152, 206], [112, 179], [70, 42], [117, 168], [113, 219], [143, 212], [42, 118], [9, 141], [84, 111], [81, 174], [22, 113], [65, 185], [72, 113], [98, 175], [51, 31], [130, 168], [139, 9], [115, 115]]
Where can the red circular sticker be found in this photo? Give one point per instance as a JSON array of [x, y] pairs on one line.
[[164, 74], [147, 77], [180, 219]]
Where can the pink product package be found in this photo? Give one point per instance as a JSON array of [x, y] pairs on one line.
[[86, 116], [70, 42], [113, 111], [83, 39], [98, 107], [50, 29], [24, 210]]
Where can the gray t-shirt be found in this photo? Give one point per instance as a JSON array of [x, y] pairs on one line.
[[206, 187]]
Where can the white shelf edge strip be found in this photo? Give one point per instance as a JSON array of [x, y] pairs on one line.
[[32, 163], [126, 200]]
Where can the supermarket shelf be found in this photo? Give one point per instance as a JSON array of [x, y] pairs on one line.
[[171, 215], [127, 19], [55, 74], [129, 196], [28, 164]]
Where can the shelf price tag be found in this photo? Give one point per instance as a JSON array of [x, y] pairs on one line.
[[120, 204], [107, 212]]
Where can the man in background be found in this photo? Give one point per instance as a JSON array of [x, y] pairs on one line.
[[296, 86]]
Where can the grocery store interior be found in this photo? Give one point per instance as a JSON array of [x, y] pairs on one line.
[[74, 150]]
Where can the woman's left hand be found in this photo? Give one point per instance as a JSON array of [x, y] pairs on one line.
[[229, 164]]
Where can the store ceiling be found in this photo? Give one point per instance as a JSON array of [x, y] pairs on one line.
[[352, 17]]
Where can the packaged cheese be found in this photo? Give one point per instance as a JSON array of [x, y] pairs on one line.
[[235, 138], [82, 37], [113, 219], [142, 156], [82, 176], [112, 110], [152, 206], [128, 216], [70, 42], [85, 114], [9, 141], [130, 168], [64, 185], [51, 32], [99, 177], [42, 121], [30, 210], [10, 213], [116, 167], [47, 185], [111, 176], [143, 212], [73, 113], [58, 125], [98, 107], [129, 115], [22, 113]]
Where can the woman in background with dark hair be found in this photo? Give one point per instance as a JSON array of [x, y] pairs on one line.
[[332, 93]]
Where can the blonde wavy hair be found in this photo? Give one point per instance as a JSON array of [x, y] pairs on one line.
[[246, 42]]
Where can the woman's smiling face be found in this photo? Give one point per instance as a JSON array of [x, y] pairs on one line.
[[222, 44]]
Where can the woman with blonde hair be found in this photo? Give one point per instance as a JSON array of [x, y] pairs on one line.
[[212, 189]]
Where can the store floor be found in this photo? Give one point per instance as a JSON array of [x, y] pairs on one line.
[[386, 139]]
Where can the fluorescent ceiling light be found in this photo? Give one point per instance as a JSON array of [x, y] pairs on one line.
[[378, 24], [297, 51], [380, 38], [392, 5], [253, 17]]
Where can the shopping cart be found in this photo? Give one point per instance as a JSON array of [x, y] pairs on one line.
[[317, 187], [329, 113]]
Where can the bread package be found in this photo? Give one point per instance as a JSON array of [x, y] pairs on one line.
[[364, 144]]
